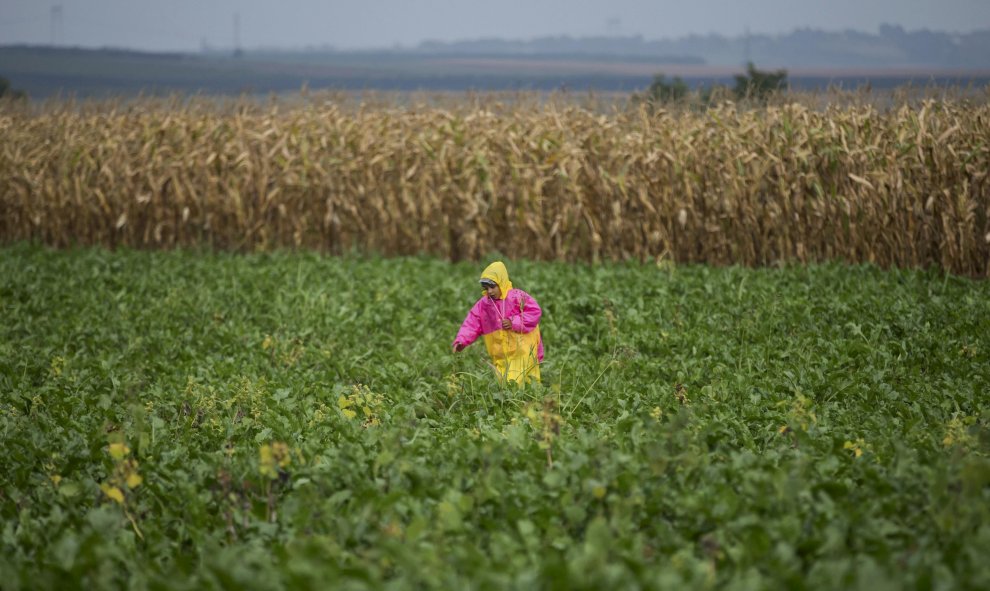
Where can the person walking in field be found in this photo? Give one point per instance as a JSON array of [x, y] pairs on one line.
[[509, 320]]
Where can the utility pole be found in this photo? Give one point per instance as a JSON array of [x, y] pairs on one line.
[[747, 58], [56, 23], [238, 52]]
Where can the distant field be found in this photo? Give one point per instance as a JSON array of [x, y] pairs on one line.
[[192, 420], [45, 72]]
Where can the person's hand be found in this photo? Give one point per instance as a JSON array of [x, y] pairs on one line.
[[506, 324], [457, 348]]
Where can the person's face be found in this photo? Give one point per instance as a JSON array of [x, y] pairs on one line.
[[493, 291]]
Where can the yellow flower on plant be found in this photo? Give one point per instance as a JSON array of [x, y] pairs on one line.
[[119, 451], [363, 399], [266, 462], [452, 385], [855, 446], [126, 471], [113, 492], [802, 412], [280, 452], [272, 457], [656, 413], [531, 413], [344, 403], [957, 433]]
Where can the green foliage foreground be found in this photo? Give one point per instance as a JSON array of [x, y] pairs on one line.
[[189, 420]]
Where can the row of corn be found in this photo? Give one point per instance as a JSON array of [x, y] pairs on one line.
[[899, 186]]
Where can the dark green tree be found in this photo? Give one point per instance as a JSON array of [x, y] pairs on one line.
[[663, 91], [7, 92], [759, 84]]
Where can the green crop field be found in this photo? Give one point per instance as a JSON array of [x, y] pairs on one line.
[[197, 420]]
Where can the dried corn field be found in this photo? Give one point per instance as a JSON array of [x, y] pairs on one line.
[[904, 186]]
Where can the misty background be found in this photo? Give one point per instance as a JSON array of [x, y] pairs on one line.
[[90, 47], [186, 25]]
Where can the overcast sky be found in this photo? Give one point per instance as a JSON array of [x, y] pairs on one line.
[[184, 25]]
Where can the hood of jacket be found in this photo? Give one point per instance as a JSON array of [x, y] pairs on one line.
[[500, 275]]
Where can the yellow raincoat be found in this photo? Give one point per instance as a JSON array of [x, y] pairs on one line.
[[517, 352]]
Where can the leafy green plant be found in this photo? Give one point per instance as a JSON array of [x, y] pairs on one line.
[[810, 427]]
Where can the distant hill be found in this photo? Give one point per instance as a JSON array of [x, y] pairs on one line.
[[814, 59], [601, 47], [891, 46], [95, 73]]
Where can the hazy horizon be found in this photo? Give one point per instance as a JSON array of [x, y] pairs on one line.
[[188, 25]]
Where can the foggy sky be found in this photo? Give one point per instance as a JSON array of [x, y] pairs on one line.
[[184, 25]]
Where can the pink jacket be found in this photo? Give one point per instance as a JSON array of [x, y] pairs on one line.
[[486, 316]]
